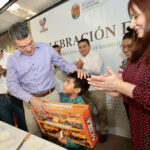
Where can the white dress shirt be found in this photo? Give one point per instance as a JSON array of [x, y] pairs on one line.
[[3, 81], [92, 63]]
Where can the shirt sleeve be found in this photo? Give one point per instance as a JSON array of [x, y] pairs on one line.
[[122, 66], [70, 144], [13, 83], [142, 96], [61, 63], [93, 64]]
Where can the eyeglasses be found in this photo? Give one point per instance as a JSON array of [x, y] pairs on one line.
[[126, 46]]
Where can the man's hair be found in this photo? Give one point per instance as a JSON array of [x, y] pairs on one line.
[[55, 46], [19, 31], [84, 40], [79, 83]]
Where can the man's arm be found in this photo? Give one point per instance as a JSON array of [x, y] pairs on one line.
[[13, 83], [16, 90], [61, 63]]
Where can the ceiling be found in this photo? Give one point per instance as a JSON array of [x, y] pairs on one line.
[[27, 10]]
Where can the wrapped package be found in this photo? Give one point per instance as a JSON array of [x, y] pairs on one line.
[[69, 120]]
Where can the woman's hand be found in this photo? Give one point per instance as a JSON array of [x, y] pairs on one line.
[[107, 83]]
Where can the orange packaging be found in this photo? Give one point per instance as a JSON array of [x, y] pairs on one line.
[[69, 120]]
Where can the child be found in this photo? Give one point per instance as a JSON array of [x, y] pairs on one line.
[[72, 90]]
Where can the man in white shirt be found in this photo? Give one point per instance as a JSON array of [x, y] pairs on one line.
[[92, 63], [9, 105]]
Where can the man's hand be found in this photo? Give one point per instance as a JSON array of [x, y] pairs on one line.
[[81, 73], [79, 64], [38, 105]]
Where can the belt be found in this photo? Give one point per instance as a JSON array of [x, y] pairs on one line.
[[42, 94], [5, 95]]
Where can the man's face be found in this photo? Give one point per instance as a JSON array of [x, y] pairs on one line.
[[26, 46], [58, 49], [68, 87], [84, 48]]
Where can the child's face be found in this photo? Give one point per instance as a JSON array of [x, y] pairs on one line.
[[68, 87]]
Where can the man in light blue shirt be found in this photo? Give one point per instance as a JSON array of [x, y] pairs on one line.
[[30, 76]]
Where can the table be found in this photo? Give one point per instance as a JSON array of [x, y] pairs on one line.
[[11, 137]]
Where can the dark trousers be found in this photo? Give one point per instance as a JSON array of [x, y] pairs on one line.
[[9, 107]]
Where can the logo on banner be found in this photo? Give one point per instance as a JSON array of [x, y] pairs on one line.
[[42, 23], [75, 11], [88, 5]]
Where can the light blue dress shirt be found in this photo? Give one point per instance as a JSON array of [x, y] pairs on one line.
[[33, 74]]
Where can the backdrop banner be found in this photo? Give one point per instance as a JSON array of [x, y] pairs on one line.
[[103, 22]]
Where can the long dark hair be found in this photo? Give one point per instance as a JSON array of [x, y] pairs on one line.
[[142, 45]]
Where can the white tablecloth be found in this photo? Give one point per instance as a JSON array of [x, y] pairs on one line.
[[11, 137]]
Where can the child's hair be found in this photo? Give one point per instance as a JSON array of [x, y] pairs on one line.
[[79, 83]]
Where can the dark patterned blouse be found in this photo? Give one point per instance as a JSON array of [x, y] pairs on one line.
[[139, 107]]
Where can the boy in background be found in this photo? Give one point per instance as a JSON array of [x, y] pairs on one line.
[[72, 90]]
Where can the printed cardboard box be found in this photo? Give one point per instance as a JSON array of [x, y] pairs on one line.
[[73, 120]]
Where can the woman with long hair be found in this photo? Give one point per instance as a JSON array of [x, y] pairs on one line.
[[134, 84]]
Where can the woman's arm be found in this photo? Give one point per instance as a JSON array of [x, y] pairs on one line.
[[112, 83]]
